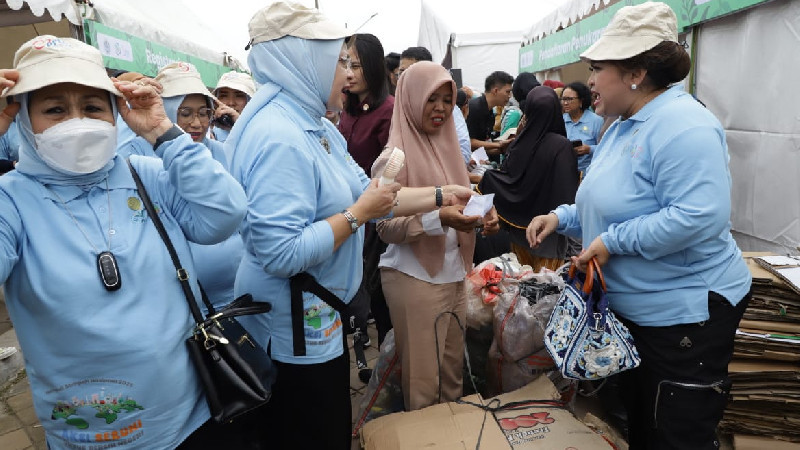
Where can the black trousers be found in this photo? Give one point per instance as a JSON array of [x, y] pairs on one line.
[[213, 436], [676, 397], [373, 249], [309, 409]]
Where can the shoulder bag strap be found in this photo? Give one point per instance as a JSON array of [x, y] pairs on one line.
[[183, 274], [304, 282]]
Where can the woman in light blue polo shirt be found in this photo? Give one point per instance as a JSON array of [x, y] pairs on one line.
[[582, 124], [104, 343], [655, 210]]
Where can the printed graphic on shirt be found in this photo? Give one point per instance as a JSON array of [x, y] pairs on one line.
[[94, 404], [322, 324]]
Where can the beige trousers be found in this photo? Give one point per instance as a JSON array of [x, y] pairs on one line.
[[414, 306]]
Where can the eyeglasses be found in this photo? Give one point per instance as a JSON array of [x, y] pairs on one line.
[[204, 114], [348, 64], [568, 99]]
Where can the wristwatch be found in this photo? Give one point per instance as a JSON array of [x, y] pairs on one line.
[[439, 197], [168, 135], [351, 219]]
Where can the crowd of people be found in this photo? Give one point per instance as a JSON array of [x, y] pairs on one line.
[[268, 176]]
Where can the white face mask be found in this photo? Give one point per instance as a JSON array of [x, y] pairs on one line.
[[77, 146]]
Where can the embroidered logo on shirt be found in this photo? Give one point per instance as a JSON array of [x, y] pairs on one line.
[[134, 203], [636, 150], [139, 213]]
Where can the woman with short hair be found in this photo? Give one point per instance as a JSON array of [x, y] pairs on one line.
[[582, 123]]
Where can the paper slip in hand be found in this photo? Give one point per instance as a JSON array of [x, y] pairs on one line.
[[479, 205], [480, 155]]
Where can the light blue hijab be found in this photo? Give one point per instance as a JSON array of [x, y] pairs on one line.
[[302, 68], [31, 164]]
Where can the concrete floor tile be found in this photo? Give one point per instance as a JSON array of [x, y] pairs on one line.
[[16, 440], [36, 433], [28, 416], [20, 401], [9, 423], [19, 387]]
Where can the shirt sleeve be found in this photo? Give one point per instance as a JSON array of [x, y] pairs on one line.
[[432, 225], [569, 223], [203, 197], [463, 135], [10, 232], [284, 231], [691, 180]]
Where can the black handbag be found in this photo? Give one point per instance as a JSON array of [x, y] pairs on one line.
[[236, 372]]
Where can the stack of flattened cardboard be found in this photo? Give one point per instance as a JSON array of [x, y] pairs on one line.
[[526, 419], [765, 402]]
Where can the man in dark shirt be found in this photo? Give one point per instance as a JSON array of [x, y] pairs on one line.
[[481, 115]]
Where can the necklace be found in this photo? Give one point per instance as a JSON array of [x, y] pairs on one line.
[[106, 261]]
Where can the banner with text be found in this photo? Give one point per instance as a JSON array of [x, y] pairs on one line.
[[127, 52], [565, 46]]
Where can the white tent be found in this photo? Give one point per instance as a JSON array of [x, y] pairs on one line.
[[150, 20], [481, 39], [563, 16], [169, 23]]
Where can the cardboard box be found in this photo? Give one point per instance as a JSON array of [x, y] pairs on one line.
[[529, 425]]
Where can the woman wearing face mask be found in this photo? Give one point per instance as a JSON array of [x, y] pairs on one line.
[[89, 284], [429, 254], [233, 91], [307, 201], [661, 229]]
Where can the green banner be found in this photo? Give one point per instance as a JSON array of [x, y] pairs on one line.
[[565, 46], [127, 52]]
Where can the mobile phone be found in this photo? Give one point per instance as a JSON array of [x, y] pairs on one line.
[[577, 143]]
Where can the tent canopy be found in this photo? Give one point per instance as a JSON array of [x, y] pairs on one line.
[[482, 39], [563, 16], [56, 8]]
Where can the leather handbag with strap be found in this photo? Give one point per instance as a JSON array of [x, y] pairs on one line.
[[236, 373], [584, 337]]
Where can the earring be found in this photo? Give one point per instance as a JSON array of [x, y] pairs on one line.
[[633, 87]]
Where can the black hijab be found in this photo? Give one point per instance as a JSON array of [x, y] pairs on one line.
[[541, 170]]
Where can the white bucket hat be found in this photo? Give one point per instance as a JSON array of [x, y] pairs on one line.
[[181, 78], [291, 19], [634, 30], [47, 60], [237, 80]]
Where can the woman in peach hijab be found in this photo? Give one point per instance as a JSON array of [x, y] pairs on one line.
[[429, 254]]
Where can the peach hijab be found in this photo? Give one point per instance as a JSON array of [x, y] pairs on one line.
[[431, 159]]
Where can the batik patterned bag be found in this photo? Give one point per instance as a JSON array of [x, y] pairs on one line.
[[585, 339]]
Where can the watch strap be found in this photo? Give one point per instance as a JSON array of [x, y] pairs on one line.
[[439, 197], [168, 135]]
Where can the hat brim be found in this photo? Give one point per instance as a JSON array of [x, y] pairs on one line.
[[236, 86], [616, 48], [60, 70], [178, 87], [323, 30]]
